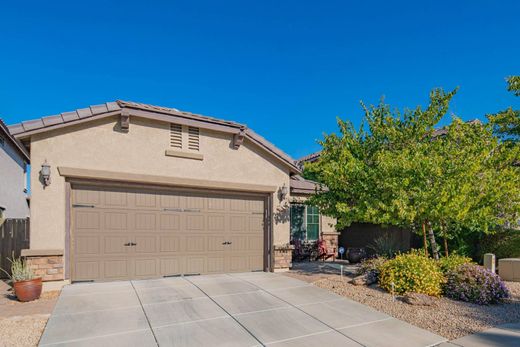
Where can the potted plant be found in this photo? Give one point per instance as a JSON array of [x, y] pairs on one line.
[[27, 287]]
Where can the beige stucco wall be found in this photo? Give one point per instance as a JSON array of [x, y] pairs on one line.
[[98, 145]]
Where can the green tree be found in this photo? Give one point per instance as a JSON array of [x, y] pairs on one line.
[[396, 169], [507, 123]]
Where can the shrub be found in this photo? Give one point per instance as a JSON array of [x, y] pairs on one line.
[[452, 262], [20, 271], [385, 246], [504, 244], [411, 272], [474, 283], [371, 267]]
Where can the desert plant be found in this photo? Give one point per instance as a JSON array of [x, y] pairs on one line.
[[474, 283], [371, 268], [411, 272], [452, 261], [385, 246], [20, 271]]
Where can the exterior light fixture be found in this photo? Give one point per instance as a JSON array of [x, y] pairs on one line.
[[46, 174], [283, 192]]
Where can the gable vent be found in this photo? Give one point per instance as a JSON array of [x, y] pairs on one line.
[[175, 135], [193, 138]]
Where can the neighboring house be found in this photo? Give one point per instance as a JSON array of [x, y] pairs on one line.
[[13, 176], [139, 191]]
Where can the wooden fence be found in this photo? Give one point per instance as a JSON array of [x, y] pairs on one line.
[[14, 236]]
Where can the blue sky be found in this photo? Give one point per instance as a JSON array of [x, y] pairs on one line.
[[285, 68]]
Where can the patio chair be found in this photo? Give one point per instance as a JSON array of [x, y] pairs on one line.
[[323, 252]]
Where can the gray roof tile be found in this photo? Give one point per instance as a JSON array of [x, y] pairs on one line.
[[16, 128], [52, 120], [98, 109], [84, 112], [69, 116], [32, 124], [112, 106]]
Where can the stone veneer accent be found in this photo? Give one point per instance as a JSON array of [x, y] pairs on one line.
[[45, 264], [283, 257]]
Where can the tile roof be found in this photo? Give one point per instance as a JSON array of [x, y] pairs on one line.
[[26, 128]]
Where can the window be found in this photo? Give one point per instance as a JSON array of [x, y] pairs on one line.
[[305, 222], [2, 141]]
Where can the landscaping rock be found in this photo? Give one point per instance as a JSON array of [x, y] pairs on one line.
[[419, 299], [363, 280]]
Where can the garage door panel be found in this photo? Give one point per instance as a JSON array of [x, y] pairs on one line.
[[87, 197], [217, 204], [113, 245], [216, 222], [146, 267], [166, 233], [116, 198], [194, 202], [216, 264], [170, 201], [216, 243], [195, 222], [170, 266], [87, 220], [116, 268], [195, 243], [169, 244], [146, 199], [195, 265], [116, 221], [256, 243], [238, 223], [87, 270], [170, 222], [256, 223], [87, 245], [145, 221], [145, 244]]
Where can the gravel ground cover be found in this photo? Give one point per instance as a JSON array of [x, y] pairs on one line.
[[22, 331], [449, 318], [22, 323]]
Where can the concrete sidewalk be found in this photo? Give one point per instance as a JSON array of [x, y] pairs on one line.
[[507, 335], [248, 309]]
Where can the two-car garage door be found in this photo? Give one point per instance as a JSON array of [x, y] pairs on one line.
[[124, 233]]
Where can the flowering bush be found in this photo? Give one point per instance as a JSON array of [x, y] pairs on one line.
[[473, 283], [411, 272], [452, 262], [371, 267]]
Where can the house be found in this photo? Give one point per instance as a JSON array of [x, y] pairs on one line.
[[129, 190], [14, 160]]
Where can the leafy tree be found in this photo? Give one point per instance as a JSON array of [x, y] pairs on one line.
[[507, 123], [397, 169]]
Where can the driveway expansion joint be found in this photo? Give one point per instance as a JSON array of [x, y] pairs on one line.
[[145, 315]]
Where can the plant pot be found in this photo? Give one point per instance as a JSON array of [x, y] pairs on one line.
[[28, 290], [355, 255]]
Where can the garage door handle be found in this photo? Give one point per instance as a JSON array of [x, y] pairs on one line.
[[226, 243], [128, 244], [173, 209], [191, 210], [81, 205]]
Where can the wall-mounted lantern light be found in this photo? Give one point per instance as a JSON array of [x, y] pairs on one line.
[[46, 174], [282, 192]]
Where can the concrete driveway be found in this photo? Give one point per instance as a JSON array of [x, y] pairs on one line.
[[247, 309]]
